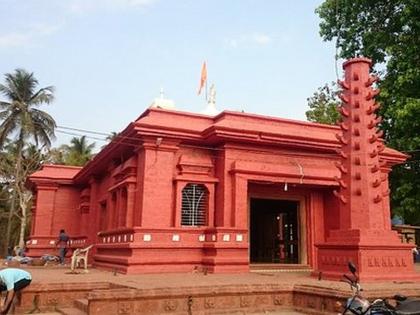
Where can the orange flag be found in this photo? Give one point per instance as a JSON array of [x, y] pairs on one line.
[[203, 78]]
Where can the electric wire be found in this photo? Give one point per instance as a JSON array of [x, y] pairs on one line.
[[208, 148], [78, 134], [85, 132], [326, 155]]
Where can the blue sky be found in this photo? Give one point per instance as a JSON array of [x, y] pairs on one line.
[[108, 59]]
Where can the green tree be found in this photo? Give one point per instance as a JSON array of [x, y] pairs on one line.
[[23, 121], [16, 192], [111, 137], [323, 105], [55, 156], [19, 113], [78, 153], [388, 32]]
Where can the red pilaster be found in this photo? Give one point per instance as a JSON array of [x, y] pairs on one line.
[[94, 216], [130, 204]]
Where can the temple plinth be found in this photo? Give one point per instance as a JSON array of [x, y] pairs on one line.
[[364, 235]]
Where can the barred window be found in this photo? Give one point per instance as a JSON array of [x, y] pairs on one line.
[[194, 205]]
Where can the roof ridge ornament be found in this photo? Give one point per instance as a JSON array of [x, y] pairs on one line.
[[211, 103]]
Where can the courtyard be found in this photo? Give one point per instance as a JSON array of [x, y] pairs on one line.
[[55, 290]]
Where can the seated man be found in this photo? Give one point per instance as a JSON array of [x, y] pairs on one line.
[[13, 280]]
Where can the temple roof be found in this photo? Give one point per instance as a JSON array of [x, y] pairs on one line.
[[203, 130], [55, 172]]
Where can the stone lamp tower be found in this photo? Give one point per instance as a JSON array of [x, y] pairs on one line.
[[364, 235]]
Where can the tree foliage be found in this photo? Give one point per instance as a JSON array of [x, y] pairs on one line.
[[77, 153], [21, 121], [16, 197], [323, 105], [15, 184], [19, 113], [388, 32]]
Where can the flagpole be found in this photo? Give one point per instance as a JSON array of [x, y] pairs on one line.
[[206, 90]]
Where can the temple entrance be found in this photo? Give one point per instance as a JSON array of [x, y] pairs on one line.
[[274, 235]]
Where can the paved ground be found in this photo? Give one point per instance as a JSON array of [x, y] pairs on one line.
[[277, 313], [58, 274], [55, 274]]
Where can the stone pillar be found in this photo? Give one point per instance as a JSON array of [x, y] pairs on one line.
[[84, 221], [110, 204], [315, 226], [240, 203], [118, 208], [157, 201], [362, 237], [131, 194], [94, 215], [139, 192], [223, 206]]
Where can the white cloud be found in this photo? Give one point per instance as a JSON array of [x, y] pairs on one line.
[[44, 29], [262, 39], [82, 6], [249, 39], [140, 2], [26, 37], [13, 40], [232, 43]]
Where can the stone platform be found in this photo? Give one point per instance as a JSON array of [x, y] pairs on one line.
[[56, 290]]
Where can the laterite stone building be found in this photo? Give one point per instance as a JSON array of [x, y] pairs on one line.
[[177, 191]]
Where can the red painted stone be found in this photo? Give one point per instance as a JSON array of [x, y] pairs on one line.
[[363, 234], [127, 200]]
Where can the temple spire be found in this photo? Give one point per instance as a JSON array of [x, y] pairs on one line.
[[363, 232]]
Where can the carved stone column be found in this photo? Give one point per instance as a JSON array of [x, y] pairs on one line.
[[363, 237]]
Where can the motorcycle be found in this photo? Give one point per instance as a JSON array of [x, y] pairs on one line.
[[358, 305]]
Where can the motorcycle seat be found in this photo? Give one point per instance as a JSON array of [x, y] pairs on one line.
[[408, 307]]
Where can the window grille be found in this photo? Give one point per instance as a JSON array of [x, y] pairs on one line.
[[194, 205]]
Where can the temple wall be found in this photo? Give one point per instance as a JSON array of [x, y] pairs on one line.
[[57, 207], [158, 197], [103, 185], [156, 177], [44, 210], [331, 213], [66, 211]]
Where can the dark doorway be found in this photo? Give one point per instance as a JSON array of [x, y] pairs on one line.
[[274, 231]]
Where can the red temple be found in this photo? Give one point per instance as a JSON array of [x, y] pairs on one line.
[[178, 191]]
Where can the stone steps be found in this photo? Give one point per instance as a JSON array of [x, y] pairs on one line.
[[279, 268], [81, 307], [71, 311], [82, 304]]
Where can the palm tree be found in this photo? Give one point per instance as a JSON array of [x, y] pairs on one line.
[[111, 137], [79, 152], [19, 113], [21, 119]]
